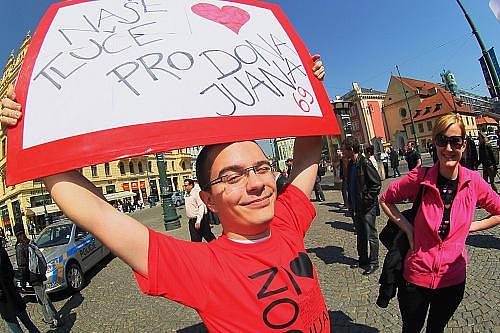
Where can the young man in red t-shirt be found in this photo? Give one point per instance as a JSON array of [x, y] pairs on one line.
[[257, 275]]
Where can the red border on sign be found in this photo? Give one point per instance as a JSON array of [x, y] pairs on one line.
[[113, 144]]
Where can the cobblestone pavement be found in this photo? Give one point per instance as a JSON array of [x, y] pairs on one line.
[[112, 301]]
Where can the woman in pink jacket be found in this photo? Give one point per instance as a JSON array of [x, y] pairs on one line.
[[435, 266]]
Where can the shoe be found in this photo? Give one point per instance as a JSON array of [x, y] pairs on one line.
[[370, 270], [55, 324], [357, 265]]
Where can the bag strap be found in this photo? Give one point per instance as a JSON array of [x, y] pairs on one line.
[[418, 201]]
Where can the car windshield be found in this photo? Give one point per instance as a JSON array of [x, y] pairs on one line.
[[54, 236]]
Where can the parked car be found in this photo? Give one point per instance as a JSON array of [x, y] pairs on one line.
[[70, 252], [177, 198]]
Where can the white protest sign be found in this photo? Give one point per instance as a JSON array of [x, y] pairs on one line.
[[99, 70]]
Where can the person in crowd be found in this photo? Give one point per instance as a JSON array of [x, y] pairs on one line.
[[289, 164], [12, 306], [413, 157], [488, 159], [281, 180], [364, 184], [370, 155], [344, 171], [262, 242], [433, 152], [196, 212], [318, 191], [32, 271], [384, 157], [470, 157], [435, 266], [394, 157]]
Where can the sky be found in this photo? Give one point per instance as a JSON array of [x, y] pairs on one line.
[[359, 41]]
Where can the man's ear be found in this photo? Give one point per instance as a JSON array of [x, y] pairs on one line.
[[208, 200]]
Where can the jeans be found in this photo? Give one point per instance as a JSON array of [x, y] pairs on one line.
[[396, 172], [49, 311], [416, 301], [318, 192], [366, 233], [14, 326]]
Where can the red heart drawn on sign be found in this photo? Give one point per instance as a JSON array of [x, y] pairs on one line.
[[232, 17]]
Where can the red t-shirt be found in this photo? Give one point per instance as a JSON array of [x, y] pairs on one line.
[[262, 287]]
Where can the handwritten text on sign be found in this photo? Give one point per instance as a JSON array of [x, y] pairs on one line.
[[107, 64]]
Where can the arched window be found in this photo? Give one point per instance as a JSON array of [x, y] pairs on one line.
[[403, 112], [121, 166], [183, 165], [107, 169], [139, 166], [131, 167], [150, 166]]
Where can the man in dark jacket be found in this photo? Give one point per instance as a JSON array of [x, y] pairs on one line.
[[488, 159], [12, 305], [363, 183], [394, 157], [35, 279], [469, 157]]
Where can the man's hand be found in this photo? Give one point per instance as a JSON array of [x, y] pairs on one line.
[[11, 111], [318, 68]]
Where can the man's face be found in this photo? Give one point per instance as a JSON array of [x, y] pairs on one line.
[[188, 187], [346, 152], [248, 207]]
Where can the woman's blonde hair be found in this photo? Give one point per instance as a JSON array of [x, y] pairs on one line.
[[444, 122]]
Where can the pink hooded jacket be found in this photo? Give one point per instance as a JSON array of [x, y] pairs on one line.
[[434, 263]]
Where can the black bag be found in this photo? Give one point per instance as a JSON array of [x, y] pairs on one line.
[[391, 229]]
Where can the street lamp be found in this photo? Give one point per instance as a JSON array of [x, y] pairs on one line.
[[170, 217], [417, 146]]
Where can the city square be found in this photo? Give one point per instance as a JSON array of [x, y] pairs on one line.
[[161, 164]]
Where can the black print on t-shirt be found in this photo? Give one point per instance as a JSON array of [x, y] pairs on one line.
[[302, 266]]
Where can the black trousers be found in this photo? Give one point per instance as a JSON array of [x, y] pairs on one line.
[[203, 232], [318, 192], [366, 233], [416, 301]]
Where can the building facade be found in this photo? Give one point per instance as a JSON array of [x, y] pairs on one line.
[[365, 114], [126, 179], [426, 101]]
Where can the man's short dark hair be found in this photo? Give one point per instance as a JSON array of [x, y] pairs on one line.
[[189, 181], [289, 160], [352, 144], [370, 150], [204, 163]]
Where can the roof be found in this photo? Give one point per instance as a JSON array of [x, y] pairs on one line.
[[439, 104], [417, 84], [364, 91], [486, 120]]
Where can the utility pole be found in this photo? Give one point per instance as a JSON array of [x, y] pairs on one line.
[[417, 146], [487, 58]]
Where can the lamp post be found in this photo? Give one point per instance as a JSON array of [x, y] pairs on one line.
[[170, 217], [417, 146], [487, 58], [45, 214]]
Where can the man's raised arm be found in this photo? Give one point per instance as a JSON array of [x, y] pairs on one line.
[[80, 200], [306, 156]]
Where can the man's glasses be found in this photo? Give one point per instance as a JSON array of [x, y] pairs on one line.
[[239, 177], [455, 142]]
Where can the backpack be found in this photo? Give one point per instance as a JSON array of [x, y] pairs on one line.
[[36, 261]]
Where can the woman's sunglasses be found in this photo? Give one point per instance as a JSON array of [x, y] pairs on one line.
[[456, 142]]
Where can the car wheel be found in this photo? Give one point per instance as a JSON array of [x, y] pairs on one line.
[[74, 277]]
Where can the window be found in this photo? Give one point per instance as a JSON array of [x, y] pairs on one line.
[[183, 165], [438, 106], [402, 112], [4, 147], [429, 125], [139, 166], [173, 166], [107, 170], [93, 169], [110, 189], [131, 167], [150, 166], [427, 109], [121, 166], [420, 127]]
